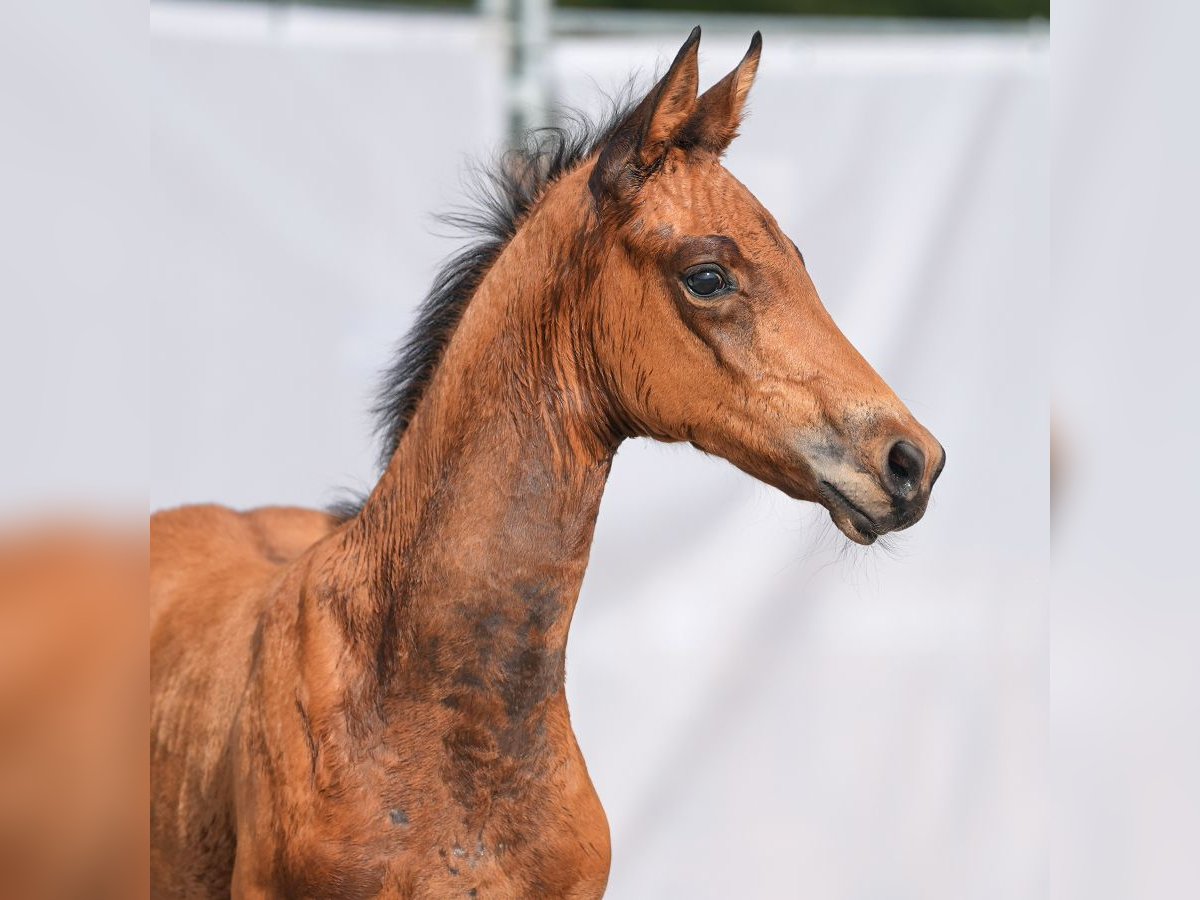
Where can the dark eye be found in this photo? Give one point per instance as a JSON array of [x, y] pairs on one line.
[[705, 281]]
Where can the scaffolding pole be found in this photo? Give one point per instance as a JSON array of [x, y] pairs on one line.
[[523, 27]]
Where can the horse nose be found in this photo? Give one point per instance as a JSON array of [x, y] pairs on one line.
[[904, 471], [941, 464]]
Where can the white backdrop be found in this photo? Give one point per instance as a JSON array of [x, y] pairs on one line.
[[764, 712]]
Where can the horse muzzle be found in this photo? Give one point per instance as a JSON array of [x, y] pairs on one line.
[[871, 491]]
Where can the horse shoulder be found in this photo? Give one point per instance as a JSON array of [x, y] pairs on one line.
[[213, 573]]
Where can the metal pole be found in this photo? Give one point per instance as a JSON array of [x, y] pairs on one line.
[[523, 29], [530, 73]]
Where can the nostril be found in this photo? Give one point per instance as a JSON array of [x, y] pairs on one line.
[[905, 465]]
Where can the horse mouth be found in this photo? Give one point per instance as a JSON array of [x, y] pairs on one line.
[[848, 517]]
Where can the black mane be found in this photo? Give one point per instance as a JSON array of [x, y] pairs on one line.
[[503, 193]]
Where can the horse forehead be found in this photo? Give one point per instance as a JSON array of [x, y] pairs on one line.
[[690, 196]]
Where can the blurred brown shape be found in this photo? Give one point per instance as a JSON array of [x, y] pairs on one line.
[[73, 688]]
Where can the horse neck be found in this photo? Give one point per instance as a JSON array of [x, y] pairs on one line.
[[467, 559]]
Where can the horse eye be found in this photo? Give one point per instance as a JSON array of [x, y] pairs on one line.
[[705, 282]]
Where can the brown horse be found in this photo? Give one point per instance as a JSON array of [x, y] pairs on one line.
[[372, 704]]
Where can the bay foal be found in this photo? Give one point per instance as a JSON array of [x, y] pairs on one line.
[[373, 705]]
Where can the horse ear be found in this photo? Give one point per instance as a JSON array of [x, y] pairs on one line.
[[642, 138], [718, 113]]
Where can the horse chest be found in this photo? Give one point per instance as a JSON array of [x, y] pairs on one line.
[[460, 814], [437, 859]]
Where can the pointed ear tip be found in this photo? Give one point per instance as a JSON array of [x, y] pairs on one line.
[[756, 42], [688, 47]]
